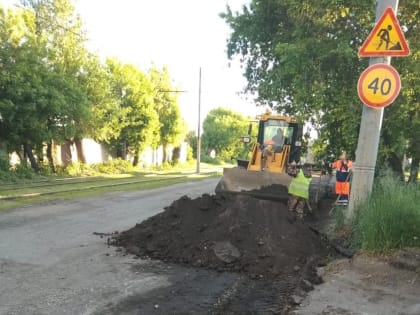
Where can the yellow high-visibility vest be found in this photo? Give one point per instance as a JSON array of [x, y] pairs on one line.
[[300, 186]]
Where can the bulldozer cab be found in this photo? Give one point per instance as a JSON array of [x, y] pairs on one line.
[[278, 143]]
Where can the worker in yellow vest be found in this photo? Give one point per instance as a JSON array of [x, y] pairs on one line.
[[299, 192]]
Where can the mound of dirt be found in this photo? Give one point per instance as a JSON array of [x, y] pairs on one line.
[[260, 238]]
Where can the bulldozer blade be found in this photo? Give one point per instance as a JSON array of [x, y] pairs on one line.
[[240, 180]]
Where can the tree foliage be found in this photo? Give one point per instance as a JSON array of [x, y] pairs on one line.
[[172, 129], [135, 93], [300, 57], [53, 90], [36, 102], [222, 129]]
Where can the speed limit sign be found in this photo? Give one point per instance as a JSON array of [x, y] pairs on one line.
[[379, 85]]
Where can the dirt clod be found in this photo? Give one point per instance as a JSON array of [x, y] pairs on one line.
[[226, 252]]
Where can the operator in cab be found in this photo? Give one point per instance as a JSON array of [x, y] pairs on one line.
[[278, 140]]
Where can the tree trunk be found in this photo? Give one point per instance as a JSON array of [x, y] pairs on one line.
[[25, 156], [50, 156], [40, 153], [176, 155], [395, 163], [414, 170], [122, 150], [66, 157], [79, 147], [28, 150], [119, 153], [164, 153], [136, 158]]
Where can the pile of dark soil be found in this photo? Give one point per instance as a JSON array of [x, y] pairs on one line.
[[273, 192], [260, 238]]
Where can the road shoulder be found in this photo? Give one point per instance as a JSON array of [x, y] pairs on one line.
[[365, 284]]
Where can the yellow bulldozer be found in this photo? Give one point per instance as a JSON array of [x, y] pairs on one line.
[[278, 143]]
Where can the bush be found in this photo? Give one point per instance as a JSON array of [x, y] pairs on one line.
[[6, 176], [23, 171], [117, 166], [391, 218], [79, 169], [15, 172], [5, 173], [190, 153], [164, 167], [4, 164]]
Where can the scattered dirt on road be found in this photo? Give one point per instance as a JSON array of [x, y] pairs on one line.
[[260, 239]]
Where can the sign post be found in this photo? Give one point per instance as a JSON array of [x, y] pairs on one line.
[[199, 125], [388, 42]]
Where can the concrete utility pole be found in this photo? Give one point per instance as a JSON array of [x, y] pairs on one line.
[[369, 134], [199, 124]]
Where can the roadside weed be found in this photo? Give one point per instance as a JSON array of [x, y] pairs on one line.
[[391, 218]]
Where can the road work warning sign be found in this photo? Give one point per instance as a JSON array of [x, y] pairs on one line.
[[386, 38]]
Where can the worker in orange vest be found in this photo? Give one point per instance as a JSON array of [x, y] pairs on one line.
[[343, 168]]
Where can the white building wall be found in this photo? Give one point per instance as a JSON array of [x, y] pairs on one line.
[[98, 153], [93, 151]]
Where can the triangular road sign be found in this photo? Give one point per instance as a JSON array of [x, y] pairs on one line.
[[386, 38]]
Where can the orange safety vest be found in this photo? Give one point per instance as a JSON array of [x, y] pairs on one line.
[[343, 167], [342, 184]]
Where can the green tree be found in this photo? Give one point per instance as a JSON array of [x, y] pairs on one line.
[[172, 128], [53, 90], [36, 102], [301, 58], [59, 30], [108, 117], [191, 139], [222, 129], [136, 96]]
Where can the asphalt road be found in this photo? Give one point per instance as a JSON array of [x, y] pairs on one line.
[[51, 263]]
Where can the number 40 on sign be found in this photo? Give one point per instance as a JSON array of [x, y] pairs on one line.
[[379, 85]]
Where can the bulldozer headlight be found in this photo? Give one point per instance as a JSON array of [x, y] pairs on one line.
[[246, 139]]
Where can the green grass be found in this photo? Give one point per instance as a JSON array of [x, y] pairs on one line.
[[80, 187], [391, 218], [338, 217], [95, 180]]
